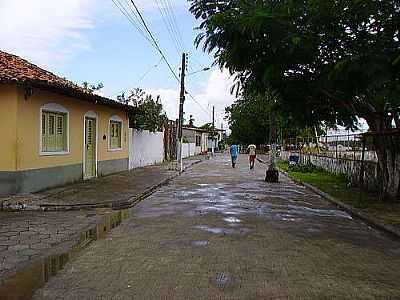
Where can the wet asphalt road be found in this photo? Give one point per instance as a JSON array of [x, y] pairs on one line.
[[222, 233]]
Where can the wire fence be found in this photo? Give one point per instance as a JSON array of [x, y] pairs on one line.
[[351, 146]]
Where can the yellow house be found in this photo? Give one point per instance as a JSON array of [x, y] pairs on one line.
[[55, 132]]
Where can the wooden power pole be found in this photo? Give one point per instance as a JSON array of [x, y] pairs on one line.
[[213, 132], [180, 120]]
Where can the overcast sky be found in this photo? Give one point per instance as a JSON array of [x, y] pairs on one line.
[[90, 40]]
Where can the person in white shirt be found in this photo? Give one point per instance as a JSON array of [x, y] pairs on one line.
[[251, 149]]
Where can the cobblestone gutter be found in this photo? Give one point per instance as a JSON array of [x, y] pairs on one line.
[[35, 245], [23, 269]]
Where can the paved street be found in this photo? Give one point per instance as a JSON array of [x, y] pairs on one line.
[[222, 233], [28, 237]]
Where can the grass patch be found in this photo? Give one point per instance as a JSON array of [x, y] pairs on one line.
[[339, 187]]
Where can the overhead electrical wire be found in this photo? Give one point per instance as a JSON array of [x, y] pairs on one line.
[[143, 75], [154, 40], [199, 104], [148, 71], [138, 21], [175, 23], [172, 20], [147, 34], [131, 19], [168, 25]]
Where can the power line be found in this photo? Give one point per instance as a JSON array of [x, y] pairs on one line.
[[154, 40], [148, 71], [174, 22], [198, 103], [143, 76], [168, 25], [131, 20]]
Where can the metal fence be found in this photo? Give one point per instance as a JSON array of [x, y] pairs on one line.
[[351, 146]]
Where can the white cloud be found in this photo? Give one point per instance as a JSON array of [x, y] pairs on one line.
[[49, 32], [46, 32], [216, 93]]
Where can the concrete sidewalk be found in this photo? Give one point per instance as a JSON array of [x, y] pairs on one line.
[[35, 240], [116, 191]]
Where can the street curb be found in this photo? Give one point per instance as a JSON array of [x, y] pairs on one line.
[[78, 242], [129, 202], [390, 230]]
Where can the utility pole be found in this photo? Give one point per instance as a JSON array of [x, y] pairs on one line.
[[213, 132], [272, 174], [180, 120]]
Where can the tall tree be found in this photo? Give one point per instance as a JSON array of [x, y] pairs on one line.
[[149, 115], [249, 121], [330, 61]]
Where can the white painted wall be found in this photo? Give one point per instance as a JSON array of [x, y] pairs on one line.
[[188, 149], [145, 148], [204, 142]]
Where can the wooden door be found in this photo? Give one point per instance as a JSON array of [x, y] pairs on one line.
[[90, 147]]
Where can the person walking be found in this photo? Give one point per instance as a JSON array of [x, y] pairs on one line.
[[234, 154], [251, 149]]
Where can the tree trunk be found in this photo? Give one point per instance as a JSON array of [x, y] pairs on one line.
[[387, 147]]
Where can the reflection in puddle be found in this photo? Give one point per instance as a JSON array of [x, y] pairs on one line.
[[219, 230], [36, 273], [200, 243], [223, 280], [232, 220], [216, 230]]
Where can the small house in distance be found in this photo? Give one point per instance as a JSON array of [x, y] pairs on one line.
[[196, 140], [55, 132]]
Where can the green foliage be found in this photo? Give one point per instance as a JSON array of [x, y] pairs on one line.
[[249, 121], [150, 114], [207, 126], [90, 88], [308, 168], [330, 61], [336, 186]]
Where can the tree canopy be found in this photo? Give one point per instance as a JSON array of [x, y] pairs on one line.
[[331, 61], [149, 115]]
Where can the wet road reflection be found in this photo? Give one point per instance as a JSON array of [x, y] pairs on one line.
[[222, 233]]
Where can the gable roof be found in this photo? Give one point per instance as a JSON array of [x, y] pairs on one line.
[[14, 69]]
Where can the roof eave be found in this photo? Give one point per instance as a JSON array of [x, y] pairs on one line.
[[70, 92]]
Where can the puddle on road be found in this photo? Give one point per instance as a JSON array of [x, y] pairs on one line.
[[222, 230], [223, 280], [36, 273], [216, 230], [232, 220], [200, 243]]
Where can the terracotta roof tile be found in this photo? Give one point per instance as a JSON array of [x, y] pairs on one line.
[[14, 69]]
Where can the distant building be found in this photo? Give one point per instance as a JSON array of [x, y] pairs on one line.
[[197, 138]]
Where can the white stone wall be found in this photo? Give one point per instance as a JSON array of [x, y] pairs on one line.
[[145, 148], [188, 149], [204, 142]]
